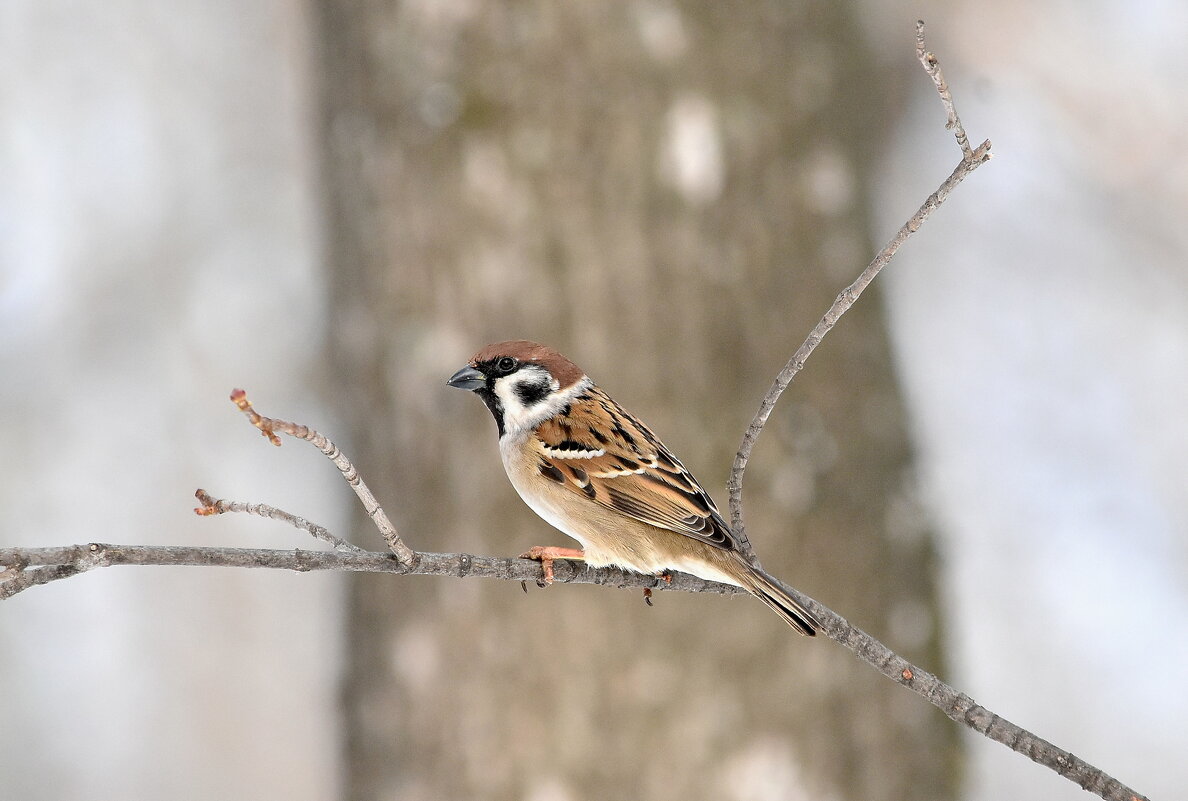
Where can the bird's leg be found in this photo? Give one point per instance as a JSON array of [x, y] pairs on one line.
[[545, 554], [666, 577]]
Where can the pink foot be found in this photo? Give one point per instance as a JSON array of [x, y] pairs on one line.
[[546, 554]]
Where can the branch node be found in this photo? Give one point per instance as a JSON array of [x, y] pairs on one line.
[[240, 399], [209, 505]]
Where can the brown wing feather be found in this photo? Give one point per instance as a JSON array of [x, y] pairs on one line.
[[597, 449]]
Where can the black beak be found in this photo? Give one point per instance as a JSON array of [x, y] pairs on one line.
[[467, 378]]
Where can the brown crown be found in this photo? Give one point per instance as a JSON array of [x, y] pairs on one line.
[[566, 372]]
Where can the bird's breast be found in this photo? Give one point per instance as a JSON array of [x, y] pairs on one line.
[[607, 536]]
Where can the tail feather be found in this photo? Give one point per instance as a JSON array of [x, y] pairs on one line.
[[768, 590]]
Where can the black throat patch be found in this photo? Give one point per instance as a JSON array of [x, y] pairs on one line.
[[491, 400]]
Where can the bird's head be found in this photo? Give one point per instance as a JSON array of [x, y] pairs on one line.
[[523, 383]]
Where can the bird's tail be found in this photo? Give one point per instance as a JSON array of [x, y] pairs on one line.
[[768, 590]]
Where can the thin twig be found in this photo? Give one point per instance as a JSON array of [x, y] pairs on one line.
[[23, 578], [970, 161], [269, 426], [217, 506], [931, 65], [49, 564]]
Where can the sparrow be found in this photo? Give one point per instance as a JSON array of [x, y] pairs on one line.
[[592, 470]]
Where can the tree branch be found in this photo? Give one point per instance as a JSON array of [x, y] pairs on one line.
[[70, 560], [51, 564], [970, 161], [29, 567]]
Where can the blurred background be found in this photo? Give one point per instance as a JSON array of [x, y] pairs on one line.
[[335, 204]]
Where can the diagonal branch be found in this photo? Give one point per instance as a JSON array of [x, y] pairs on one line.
[[970, 161]]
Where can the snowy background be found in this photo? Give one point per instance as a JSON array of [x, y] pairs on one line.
[[1041, 326], [159, 237], [159, 245]]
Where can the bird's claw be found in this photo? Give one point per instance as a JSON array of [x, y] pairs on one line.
[[546, 555]]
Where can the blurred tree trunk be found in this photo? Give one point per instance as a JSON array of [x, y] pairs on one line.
[[671, 195]]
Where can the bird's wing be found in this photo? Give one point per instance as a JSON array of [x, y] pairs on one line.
[[601, 452]]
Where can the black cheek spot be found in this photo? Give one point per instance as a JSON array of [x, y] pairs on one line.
[[531, 393], [549, 471]]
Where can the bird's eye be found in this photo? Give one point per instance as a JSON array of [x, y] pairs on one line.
[[505, 365]]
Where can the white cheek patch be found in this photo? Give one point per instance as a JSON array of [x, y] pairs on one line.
[[512, 390], [518, 417]]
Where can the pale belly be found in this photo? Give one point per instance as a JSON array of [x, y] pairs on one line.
[[608, 537]]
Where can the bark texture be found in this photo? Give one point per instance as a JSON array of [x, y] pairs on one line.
[[671, 195]]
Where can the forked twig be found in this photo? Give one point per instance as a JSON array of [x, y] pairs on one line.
[[269, 426], [970, 161]]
